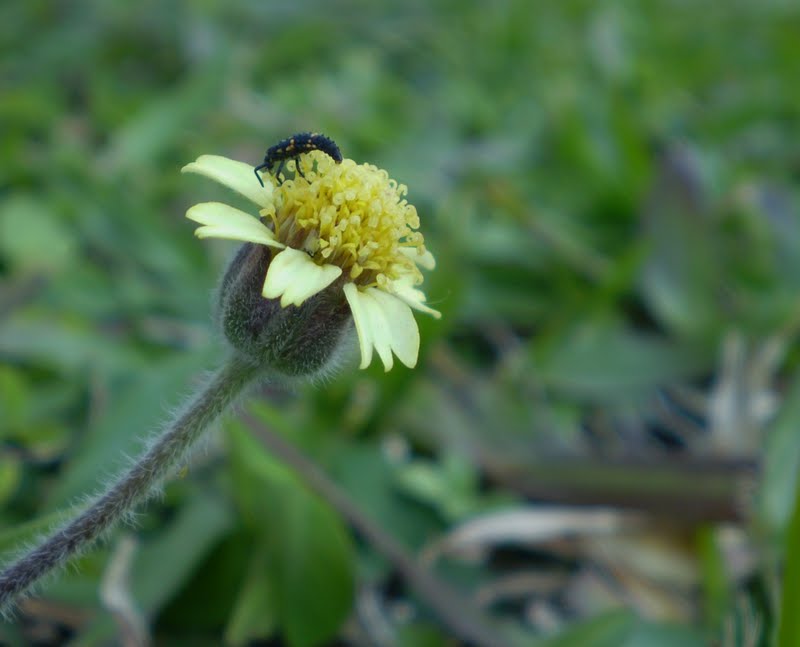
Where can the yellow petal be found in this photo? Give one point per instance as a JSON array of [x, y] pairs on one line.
[[425, 261], [360, 318], [404, 290], [294, 277], [235, 175], [384, 323], [381, 335], [223, 221], [402, 328]]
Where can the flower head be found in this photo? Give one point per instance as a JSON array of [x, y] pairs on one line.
[[341, 227]]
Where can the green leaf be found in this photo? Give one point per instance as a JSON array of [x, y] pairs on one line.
[[789, 619], [19, 535], [714, 577], [206, 601], [63, 345], [371, 482], [623, 629], [651, 634], [421, 636], [681, 280], [608, 630], [163, 565], [254, 614], [782, 463], [308, 548], [10, 475], [14, 393], [32, 238], [314, 572], [160, 123], [602, 361], [449, 485]]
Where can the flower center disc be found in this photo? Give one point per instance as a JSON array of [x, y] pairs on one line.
[[350, 215]]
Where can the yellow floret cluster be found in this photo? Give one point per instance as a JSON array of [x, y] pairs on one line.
[[350, 215]]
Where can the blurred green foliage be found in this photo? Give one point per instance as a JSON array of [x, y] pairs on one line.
[[611, 192]]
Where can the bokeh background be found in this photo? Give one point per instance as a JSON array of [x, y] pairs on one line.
[[599, 446]]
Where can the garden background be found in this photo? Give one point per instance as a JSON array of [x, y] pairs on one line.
[[599, 446]]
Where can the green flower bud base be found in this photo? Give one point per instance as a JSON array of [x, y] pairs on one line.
[[293, 341]]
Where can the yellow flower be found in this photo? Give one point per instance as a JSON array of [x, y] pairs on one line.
[[346, 225]]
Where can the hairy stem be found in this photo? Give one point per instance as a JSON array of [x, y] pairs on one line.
[[134, 487]]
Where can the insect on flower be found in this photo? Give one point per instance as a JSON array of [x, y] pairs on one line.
[[294, 146]]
